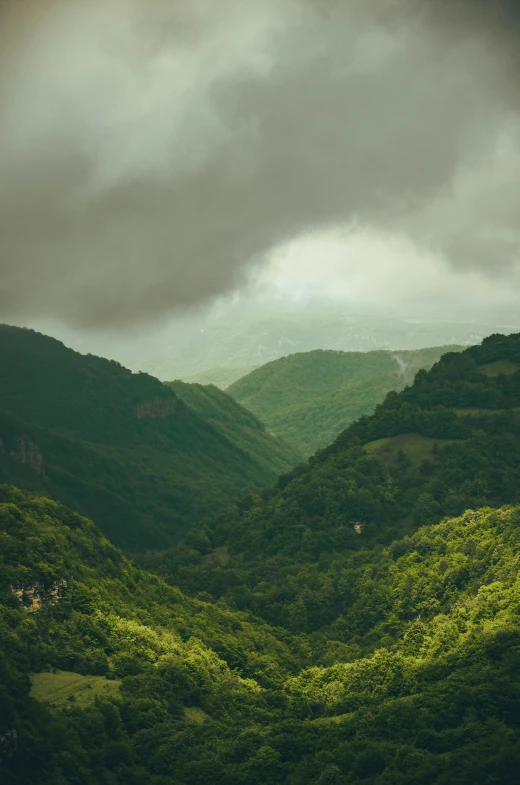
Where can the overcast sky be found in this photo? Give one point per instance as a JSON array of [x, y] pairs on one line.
[[157, 155]]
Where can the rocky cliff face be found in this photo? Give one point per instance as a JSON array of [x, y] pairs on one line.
[[27, 452], [156, 407]]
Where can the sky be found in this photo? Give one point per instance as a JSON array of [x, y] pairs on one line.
[[156, 158]]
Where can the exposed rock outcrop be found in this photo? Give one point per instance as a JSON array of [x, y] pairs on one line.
[[33, 597], [28, 453], [156, 408]]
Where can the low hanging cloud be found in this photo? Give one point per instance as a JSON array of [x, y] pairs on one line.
[[151, 153]]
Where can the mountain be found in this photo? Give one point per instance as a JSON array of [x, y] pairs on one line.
[[238, 425], [308, 398], [234, 337], [448, 443], [120, 447], [357, 624]]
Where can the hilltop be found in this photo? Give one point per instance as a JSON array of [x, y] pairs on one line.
[[308, 398], [120, 447]]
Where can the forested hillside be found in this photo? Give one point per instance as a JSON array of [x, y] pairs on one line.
[[449, 443], [237, 424], [122, 447], [109, 675], [308, 398], [358, 623]]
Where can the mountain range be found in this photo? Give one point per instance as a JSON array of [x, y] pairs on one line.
[[355, 623], [238, 337]]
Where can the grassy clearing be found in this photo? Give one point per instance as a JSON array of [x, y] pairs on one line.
[[414, 446], [338, 719], [498, 367], [58, 688], [195, 716]]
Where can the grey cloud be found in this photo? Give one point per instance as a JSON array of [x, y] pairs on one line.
[[148, 157]]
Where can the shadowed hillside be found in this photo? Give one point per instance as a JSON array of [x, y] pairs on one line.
[[122, 447]]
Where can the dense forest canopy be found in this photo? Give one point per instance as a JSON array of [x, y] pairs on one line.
[[123, 448], [357, 623], [308, 398]]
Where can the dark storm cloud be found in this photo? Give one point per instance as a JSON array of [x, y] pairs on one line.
[[149, 154]]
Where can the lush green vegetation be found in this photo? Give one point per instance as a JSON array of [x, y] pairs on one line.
[[307, 399], [426, 690], [414, 461], [61, 686], [237, 424], [70, 603], [121, 447], [358, 623]]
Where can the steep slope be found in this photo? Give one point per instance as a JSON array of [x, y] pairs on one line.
[[109, 675], [308, 398], [160, 665], [448, 443], [120, 447], [237, 424]]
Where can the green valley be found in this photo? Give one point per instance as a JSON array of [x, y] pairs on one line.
[[357, 623], [413, 462], [308, 398]]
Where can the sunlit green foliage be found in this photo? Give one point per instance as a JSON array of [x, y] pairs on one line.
[[57, 688], [427, 690]]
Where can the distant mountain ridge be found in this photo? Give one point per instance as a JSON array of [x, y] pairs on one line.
[[308, 398], [121, 447], [232, 337]]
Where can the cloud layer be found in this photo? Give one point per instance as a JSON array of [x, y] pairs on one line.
[[150, 154]]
